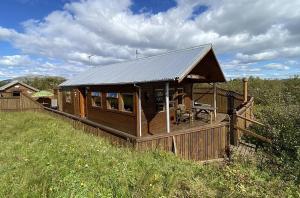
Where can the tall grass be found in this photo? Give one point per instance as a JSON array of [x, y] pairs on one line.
[[41, 156]]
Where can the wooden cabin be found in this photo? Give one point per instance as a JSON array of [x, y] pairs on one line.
[[15, 88], [141, 97]]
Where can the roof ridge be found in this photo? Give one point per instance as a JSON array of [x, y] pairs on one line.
[[160, 54], [176, 50]]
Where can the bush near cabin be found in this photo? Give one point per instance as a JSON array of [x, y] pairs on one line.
[[277, 104], [42, 156]]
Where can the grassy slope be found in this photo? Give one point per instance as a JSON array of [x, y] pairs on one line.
[[40, 155]]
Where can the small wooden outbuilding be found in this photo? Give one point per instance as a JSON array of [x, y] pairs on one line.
[[15, 88]]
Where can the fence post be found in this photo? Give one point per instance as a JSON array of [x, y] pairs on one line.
[[245, 89], [234, 136]]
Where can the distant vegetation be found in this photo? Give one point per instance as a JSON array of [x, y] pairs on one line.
[[39, 82], [277, 104], [42, 156], [44, 83]]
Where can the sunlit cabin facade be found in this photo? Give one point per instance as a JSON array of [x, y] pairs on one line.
[[140, 97]]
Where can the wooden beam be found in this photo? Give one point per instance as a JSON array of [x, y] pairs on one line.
[[81, 103], [245, 84], [250, 120], [215, 101], [250, 133]]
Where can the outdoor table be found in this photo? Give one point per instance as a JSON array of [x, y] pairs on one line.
[[205, 109]]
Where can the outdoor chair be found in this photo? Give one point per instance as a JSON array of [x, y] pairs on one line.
[[182, 114]]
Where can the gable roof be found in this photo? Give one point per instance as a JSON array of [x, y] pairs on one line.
[[14, 82], [170, 66]]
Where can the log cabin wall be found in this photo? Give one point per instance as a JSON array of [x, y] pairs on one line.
[[115, 118], [68, 101], [153, 119]]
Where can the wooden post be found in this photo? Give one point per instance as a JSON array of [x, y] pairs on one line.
[[81, 103], [59, 99], [167, 107], [245, 85], [215, 101], [234, 132], [140, 111]]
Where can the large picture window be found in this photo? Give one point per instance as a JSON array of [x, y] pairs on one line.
[[112, 100], [127, 102], [68, 97], [96, 99]]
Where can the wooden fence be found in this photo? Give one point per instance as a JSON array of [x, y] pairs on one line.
[[242, 118], [204, 143], [19, 103], [240, 111]]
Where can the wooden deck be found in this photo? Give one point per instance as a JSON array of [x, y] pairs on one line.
[[201, 121]]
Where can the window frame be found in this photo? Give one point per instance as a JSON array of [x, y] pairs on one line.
[[108, 104], [123, 103], [92, 99]]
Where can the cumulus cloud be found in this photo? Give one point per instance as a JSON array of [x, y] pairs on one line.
[[252, 31], [15, 60], [277, 66]]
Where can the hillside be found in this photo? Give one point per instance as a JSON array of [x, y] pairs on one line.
[[38, 81], [43, 156]]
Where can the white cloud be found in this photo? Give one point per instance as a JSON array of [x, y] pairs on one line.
[[276, 66], [15, 60], [109, 31]]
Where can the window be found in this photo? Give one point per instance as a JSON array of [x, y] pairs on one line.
[[96, 99], [16, 93], [112, 100], [68, 96], [159, 99], [127, 102]]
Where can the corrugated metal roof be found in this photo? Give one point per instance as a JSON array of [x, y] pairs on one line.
[[12, 83], [164, 67]]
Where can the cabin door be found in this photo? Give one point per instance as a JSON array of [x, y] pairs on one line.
[[77, 102]]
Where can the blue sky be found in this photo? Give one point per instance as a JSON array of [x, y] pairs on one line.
[[57, 37]]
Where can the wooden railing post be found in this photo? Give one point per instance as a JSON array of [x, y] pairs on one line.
[[245, 89], [234, 136]]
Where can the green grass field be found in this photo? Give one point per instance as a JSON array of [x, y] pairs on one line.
[[41, 156]]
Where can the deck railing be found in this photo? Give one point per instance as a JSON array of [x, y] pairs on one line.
[[227, 101], [205, 143], [232, 103]]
